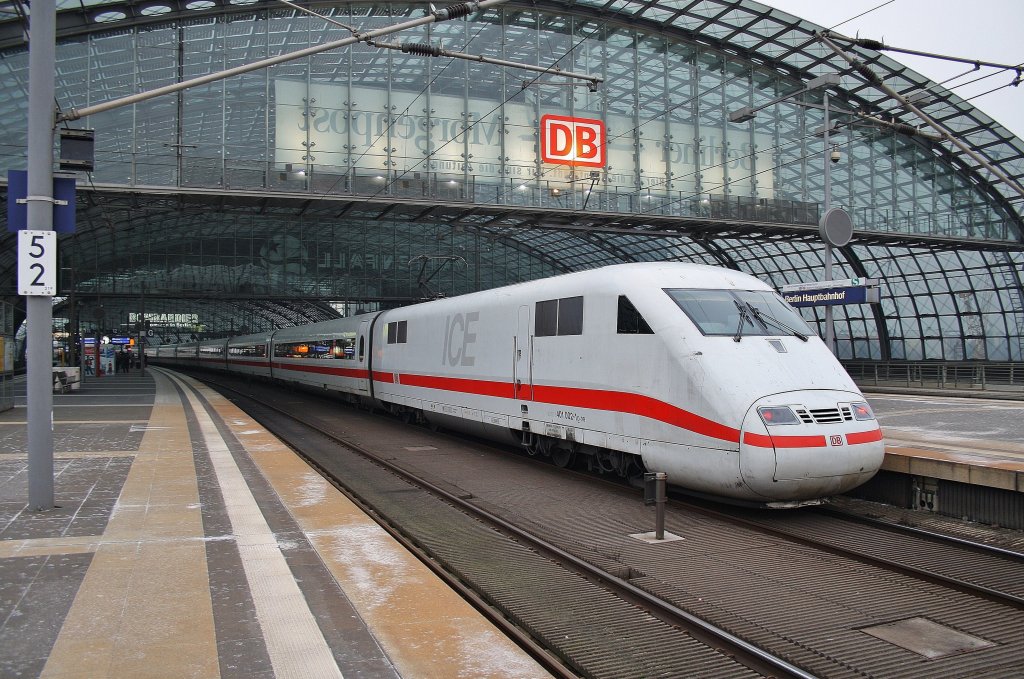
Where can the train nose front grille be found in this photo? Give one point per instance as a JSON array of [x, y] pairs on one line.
[[824, 415]]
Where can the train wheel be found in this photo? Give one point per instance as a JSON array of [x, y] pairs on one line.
[[562, 457]]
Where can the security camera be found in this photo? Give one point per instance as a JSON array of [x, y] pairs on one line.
[[835, 155]]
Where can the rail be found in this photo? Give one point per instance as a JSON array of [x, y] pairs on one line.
[[981, 376]]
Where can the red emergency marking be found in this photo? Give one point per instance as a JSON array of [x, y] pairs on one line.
[[572, 141]]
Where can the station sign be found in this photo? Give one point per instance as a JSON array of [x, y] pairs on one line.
[[572, 141], [832, 293], [37, 263]]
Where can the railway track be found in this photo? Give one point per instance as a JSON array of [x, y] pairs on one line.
[[651, 637], [800, 585], [977, 569]]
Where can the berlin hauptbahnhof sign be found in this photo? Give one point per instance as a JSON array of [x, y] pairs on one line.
[[831, 293]]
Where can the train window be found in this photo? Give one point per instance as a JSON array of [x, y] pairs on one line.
[[547, 318], [362, 348], [307, 349], [248, 350], [559, 317], [630, 321], [345, 346], [397, 332], [570, 316], [739, 312]]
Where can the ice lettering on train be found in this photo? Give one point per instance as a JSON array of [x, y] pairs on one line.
[[458, 339]]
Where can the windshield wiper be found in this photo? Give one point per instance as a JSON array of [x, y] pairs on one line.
[[744, 318], [765, 318]]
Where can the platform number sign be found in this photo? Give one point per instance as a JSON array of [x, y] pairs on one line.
[[37, 263]]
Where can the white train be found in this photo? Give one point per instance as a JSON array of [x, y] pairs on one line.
[[700, 372]]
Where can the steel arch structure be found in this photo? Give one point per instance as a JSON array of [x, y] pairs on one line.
[[183, 200]]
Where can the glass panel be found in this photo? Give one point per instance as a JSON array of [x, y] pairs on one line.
[[570, 316], [547, 318]]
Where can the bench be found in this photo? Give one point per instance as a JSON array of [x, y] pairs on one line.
[[62, 382]]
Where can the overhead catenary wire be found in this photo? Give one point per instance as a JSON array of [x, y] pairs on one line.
[[865, 72], [446, 14]]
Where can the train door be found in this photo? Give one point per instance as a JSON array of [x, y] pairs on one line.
[[362, 347], [522, 367]]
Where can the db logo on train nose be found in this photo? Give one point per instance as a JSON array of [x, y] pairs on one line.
[[572, 141], [835, 440]]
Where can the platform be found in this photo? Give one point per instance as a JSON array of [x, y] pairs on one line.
[[189, 542], [962, 457]]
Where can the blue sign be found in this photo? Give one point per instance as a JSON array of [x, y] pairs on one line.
[[17, 213], [827, 296]]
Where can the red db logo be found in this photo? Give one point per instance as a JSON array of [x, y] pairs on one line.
[[835, 440], [572, 141]]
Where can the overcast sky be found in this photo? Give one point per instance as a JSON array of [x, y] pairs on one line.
[[987, 30]]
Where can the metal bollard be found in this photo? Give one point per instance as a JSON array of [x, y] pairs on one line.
[[655, 494]]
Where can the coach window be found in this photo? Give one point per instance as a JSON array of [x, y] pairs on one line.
[[397, 332], [559, 317], [547, 318], [307, 349], [345, 346], [630, 321], [570, 316], [362, 348], [253, 350]]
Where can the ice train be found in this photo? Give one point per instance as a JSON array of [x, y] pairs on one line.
[[697, 371]]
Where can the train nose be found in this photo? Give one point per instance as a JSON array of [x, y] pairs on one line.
[[812, 443]]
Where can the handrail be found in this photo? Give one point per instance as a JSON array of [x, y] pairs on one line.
[[981, 376]]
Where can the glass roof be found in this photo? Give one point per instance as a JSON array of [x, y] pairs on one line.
[[747, 29], [550, 240]]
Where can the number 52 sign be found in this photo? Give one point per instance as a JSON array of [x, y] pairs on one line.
[[37, 263]]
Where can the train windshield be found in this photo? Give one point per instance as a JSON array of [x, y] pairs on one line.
[[740, 313]]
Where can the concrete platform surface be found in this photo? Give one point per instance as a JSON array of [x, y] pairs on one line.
[[189, 542]]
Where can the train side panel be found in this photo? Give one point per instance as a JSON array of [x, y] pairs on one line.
[[330, 356], [249, 355], [452, 360]]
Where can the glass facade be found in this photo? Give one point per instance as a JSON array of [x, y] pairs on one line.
[[369, 175]]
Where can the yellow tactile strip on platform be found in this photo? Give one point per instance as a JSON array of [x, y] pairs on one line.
[[424, 627], [144, 607], [294, 642]]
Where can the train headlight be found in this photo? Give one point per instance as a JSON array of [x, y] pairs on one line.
[[862, 411], [775, 415]]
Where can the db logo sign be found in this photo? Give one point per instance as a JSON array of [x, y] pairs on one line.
[[572, 141], [835, 440]]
